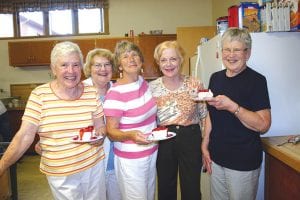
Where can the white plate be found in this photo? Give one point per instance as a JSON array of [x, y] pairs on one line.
[[76, 139], [157, 137], [202, 99]]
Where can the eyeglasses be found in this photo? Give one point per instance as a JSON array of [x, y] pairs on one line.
[[105, 65], [171, 60], [235, 51]]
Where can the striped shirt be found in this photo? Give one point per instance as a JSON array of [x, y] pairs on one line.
[[58, 122], [136, 108]]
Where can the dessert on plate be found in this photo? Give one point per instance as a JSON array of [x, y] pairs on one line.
[[160, 133], [161, 130], [205, 93], [86, 134]]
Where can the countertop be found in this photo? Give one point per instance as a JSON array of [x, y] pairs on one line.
[[16, 108], [288, 153]]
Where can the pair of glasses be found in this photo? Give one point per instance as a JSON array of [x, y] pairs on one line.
[[105, 65], [235, 51]]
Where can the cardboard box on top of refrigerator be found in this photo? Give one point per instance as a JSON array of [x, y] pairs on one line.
[[249, 16], [295, 15]]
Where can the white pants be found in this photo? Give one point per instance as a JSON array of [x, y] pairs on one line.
[[228, 184], [136, 177], [112, 188], [85, 185]]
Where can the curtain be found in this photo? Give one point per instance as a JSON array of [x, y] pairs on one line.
[[12, 6]]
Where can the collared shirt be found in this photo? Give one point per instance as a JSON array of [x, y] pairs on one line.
[[177, 106]]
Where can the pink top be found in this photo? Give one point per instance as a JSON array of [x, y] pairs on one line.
[[134, 105]]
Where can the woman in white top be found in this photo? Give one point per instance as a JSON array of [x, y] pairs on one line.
[[98, 69]]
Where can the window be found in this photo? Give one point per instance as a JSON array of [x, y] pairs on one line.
[[60, 22], [31, 24], [85, 16], [35, 18], [8, 31]]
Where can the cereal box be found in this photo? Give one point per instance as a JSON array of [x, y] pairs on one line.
[[249, 16]]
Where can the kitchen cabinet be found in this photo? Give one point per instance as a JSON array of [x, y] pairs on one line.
[[37, 53], [282, 168], [30, 53], [147, 44], [110, 43], [189, 39], [85, 45]]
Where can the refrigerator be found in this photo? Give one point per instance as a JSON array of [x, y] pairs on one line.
[[276, 55]]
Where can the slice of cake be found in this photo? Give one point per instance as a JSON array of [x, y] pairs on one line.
[[205, 93], [161, 130], [86, 134]]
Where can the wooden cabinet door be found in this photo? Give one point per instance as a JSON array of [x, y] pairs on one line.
[[19, 53], [33, 53], [85, 45], [110, 43], [147, 44], [41, 52]]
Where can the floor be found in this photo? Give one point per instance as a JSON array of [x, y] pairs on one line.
[[32, 184]]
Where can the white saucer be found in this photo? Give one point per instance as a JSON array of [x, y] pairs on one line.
[[94, 139], [158, 137], [202, 99]]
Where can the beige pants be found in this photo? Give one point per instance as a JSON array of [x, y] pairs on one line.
[[228, 184]]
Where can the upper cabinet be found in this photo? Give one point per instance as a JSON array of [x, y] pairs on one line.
[[110, 43], [37, 53], [85, 45], [147, 44], [33, 53]]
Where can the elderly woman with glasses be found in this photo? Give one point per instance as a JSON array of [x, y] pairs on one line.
[[98, 69], [57, 111], [238, 114]]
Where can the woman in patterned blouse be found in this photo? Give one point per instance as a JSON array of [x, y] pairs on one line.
[[181, 114]]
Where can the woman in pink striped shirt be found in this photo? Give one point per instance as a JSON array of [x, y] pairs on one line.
[[130, 112]]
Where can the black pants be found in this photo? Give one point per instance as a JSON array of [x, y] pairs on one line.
[[182, 153]]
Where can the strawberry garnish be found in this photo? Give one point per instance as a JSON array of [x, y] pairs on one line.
[[203, 90]]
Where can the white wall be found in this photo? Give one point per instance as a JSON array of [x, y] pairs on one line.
[[139, 15]]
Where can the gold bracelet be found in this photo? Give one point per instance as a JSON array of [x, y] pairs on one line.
[[237, 110]]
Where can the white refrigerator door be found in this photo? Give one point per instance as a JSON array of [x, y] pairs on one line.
[[208, 60]]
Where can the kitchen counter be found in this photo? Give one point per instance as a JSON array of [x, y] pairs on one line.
[[282, 168], [16, 108], [288, 153]]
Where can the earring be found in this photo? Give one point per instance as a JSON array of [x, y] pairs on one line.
[[120, 72], [142, 70]]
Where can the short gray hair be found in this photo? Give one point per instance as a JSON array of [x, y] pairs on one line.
[[65, 48], [237, 34]]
